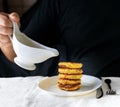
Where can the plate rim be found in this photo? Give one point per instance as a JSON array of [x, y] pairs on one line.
[[75, 93]]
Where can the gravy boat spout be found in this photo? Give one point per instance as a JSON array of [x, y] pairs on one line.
[[28, 51]]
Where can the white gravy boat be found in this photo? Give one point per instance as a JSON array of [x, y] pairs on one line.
[[28, 51]]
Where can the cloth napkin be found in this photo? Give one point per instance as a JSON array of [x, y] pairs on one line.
[[24, 92]]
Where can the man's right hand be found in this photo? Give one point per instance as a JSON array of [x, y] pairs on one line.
[[6, 30]]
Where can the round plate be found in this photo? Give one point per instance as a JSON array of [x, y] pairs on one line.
[[89, 84]]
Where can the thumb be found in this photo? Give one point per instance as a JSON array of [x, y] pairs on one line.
[[15, 17]]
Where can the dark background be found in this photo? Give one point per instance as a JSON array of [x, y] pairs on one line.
[[19, 6]]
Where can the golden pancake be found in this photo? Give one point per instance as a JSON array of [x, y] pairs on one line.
[[70, 65], [68, 81], [69, 87], [70, 76], [70, 71]]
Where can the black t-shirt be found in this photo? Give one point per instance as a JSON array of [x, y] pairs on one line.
[[85, 31]]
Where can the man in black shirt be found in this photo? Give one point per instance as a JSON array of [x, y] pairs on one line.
[[81, 30]]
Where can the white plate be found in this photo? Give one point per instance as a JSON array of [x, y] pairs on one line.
[[89, 84]]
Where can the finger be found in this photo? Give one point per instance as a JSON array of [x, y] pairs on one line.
[[1, 44], [15, 17], [4, 20], [4, 39], [3, 13], [6, 30]]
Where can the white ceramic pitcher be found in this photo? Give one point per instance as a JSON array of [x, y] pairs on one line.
[[28, 51]]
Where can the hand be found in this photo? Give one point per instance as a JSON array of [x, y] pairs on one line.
[[6, 31]]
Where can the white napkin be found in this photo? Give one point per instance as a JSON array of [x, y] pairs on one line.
[[115, 84]]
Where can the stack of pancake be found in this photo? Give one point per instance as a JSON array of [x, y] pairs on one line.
[[70, 74]]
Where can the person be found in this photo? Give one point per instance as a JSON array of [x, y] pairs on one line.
[[82, 31]]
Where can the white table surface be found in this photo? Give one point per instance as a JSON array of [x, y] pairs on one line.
[[24, 92]]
